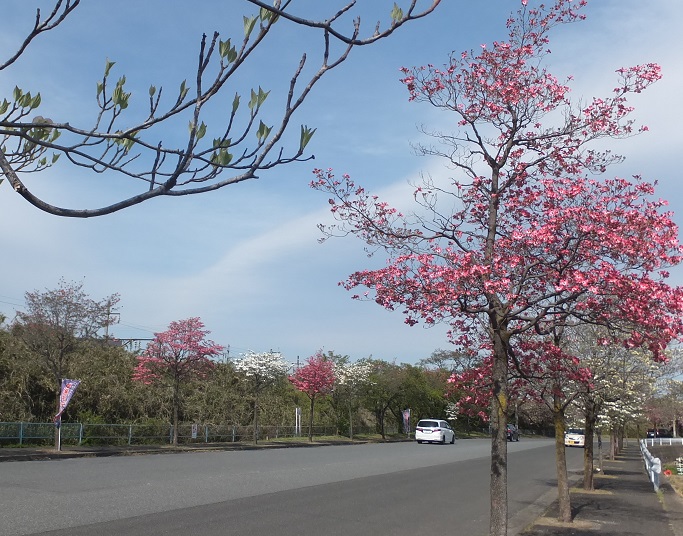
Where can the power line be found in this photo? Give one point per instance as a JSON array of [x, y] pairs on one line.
[[10, 303]]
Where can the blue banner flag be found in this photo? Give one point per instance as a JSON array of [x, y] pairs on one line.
[[68, 389]]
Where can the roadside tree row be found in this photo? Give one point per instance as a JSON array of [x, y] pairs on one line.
[[182, 376]]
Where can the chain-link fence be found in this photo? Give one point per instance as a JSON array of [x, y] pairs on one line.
[[32, 433]]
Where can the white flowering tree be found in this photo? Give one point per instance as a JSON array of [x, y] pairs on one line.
[[665, 407], [351, 379], [621, 380], [261, 371]]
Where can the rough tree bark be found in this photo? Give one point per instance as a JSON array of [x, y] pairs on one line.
[[499, 402], [591, 416], [565, 506]]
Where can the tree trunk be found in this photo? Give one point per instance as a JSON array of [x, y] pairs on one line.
[[310, 421], [176, 403], [350, 421], [564, 500], [380, 421], [499, 500], [175, 425], [591, 418], [256, 418]]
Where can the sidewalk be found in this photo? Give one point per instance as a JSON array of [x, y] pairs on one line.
[[623, 503]]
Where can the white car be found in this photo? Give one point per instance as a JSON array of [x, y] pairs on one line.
[[434, 431], [575, 437]]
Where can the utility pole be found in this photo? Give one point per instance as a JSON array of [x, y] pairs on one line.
[[109, 314]]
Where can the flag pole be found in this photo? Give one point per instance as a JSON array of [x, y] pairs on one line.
[[66, 392]]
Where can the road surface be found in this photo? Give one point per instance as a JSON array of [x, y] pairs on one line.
[[370, 489]]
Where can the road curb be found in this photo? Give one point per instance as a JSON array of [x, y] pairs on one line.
[[526, 517], [29, 454]]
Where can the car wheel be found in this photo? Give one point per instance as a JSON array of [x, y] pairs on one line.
[[453, 439], [443, 439], [419, 442]]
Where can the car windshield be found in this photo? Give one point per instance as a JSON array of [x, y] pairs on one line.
[[428, 424], [576, 431]]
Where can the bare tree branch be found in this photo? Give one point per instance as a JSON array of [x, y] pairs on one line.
[[199, 165]]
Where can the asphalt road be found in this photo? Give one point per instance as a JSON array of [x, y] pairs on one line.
[[373, 489]]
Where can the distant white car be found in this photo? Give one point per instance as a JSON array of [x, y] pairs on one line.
[[575, 437], [434, 431]]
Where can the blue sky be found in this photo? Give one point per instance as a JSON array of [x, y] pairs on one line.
[[246, 259]]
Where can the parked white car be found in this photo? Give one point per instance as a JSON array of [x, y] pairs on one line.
[[434, 431], [575, 437]]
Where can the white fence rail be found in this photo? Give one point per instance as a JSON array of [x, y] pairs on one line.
[[662, 441]]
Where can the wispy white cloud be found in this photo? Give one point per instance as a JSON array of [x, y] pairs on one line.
[[246, 259]]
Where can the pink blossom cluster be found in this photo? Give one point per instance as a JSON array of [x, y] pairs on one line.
[[179, 353], [316, 377], [540, 370]]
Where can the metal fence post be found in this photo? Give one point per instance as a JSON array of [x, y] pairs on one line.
[[80, 434], [233, 433], [130, 433], [21, 433]]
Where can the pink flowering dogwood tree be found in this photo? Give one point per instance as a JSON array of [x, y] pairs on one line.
[[315, 379], [525, 237], [175, 356]]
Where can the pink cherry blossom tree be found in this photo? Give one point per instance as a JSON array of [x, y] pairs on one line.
[[176, 356], [315, 379], [525, 237]]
